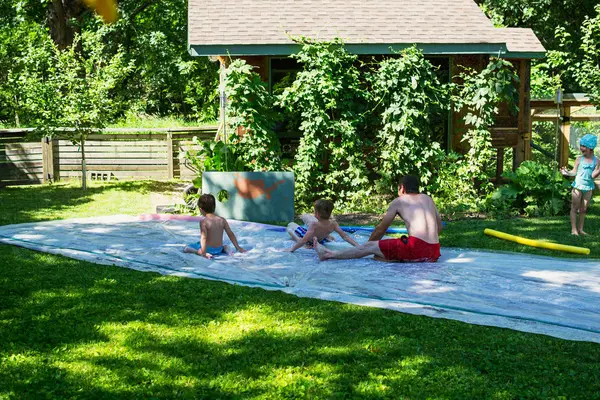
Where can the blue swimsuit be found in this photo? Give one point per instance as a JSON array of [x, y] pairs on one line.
[[300, 231], [583, 180], [210, 250]]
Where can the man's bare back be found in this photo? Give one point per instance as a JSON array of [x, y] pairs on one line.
[[420, 216]]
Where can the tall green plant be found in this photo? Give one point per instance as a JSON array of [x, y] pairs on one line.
[[329, 97], [77, 93], [409, 92], [212, 155], [250, 107], [587, 70]]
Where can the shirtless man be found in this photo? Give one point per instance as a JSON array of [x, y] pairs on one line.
[[422, 221]]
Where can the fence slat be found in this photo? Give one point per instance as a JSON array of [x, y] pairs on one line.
[[25, 160], [115, 156], [115, 168], [91, 162]]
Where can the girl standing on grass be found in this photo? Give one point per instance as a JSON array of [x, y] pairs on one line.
[[586, 168]]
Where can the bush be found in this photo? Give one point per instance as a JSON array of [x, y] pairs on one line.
[[212, 156], [536, 190], [453, 190]]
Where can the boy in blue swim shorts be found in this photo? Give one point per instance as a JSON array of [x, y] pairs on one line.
[[211, 232], [320, 226]]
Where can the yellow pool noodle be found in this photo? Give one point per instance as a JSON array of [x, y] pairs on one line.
[[537, 243]]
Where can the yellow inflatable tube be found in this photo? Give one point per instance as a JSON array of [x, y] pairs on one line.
[[537, 243]]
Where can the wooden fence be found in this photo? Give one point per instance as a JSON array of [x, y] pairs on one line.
[[159, 153]]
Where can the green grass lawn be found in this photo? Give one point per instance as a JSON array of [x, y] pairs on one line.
[[72, 329]]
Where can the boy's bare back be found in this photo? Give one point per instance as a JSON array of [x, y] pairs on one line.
[[323, 228], [213, 227]]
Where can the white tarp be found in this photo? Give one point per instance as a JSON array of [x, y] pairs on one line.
[[557, 297]]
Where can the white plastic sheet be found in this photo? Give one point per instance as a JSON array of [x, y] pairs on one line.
[[557, 297]]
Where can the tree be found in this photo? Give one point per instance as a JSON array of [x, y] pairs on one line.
[[587, 68], [152, 34], [76, 92], [546, 18]]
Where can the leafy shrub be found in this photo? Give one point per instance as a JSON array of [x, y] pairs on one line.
[[453, 189], [212, 156], [409, 92], [329, 97], [250, 114], [535, 190]]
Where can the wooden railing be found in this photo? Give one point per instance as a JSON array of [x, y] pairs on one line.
[[564, 114], [123, 155]]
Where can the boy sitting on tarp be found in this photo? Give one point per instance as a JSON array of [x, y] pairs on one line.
[[320, 226], [211, 231]]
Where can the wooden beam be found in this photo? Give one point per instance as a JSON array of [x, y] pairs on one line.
[[499, 165], [578, 99], [170, 166], [523, 149], [574, 118], [565, 135]]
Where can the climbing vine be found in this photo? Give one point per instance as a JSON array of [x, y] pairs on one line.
[[462, 182], [329, 97], [408, 92], [365, 123], [250, 115]]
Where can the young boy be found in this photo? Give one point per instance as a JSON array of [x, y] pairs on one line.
[[319, 227], [211, 231]]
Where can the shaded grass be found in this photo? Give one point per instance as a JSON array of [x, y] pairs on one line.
[[72, 329], [151, 121]]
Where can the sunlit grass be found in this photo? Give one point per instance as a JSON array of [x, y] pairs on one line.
[[469, 234], [132, 120]]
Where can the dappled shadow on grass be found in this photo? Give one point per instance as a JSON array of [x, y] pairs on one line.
[[19, 203], [72, 329]]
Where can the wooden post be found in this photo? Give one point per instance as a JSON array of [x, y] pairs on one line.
[[526, 110], [523, 150], [47, 159], [83, 165], [565, 135], [55, 159], [170, 165], [499, 165]]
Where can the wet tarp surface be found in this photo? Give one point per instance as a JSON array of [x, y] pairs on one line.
[[557, 297]]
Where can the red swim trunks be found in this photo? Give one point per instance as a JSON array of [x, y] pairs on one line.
[[409, 248]]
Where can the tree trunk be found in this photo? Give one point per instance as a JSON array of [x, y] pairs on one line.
[[59, 14], [17, 122]]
